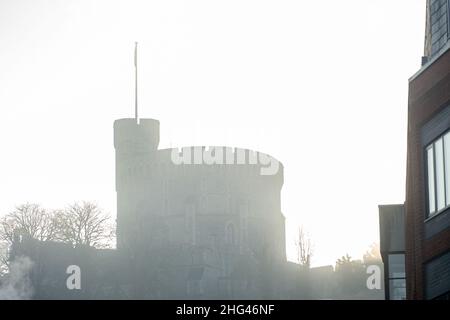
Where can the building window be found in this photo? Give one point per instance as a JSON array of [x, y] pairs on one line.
[[438, 174], [397, 279]]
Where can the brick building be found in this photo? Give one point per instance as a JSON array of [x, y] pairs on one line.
[[427, 205]]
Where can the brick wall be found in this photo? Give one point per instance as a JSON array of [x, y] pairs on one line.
[[429, 93]]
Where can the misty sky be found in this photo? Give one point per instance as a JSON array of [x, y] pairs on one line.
[[320, 85]]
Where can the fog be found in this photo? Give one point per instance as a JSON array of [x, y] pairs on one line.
[[319, 85], [17, 284]]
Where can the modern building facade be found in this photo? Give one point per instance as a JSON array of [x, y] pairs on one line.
[[427, 205], [392, 249]]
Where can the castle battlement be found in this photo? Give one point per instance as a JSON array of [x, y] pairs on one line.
[[222, 155]]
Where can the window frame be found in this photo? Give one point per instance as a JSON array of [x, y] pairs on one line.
[[230, 234], [430, 215], [388, 278]]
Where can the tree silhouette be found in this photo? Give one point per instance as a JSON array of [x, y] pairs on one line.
[[84, 224], [79, 224], [27, 219], [350, 276], [304, 247]]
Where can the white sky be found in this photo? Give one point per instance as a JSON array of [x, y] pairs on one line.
[[320, 85]]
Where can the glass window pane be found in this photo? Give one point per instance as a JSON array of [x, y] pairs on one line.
[[396, 265], [447, 165], [397, 289], [440, 185], [430, 173]]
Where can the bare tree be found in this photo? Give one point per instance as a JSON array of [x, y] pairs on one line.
[[31, 220], [343, 262], [304, 247], [79, 224], [350, 276], [3, 259], [84, 224]]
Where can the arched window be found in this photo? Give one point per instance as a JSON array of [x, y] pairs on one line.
[[230, 234]]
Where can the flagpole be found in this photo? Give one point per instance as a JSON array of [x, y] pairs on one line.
[[135, 84]]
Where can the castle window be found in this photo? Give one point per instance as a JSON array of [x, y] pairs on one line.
[[230, 235], [438, 174]]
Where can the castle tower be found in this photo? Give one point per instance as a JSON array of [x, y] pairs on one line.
[[136, 147]]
